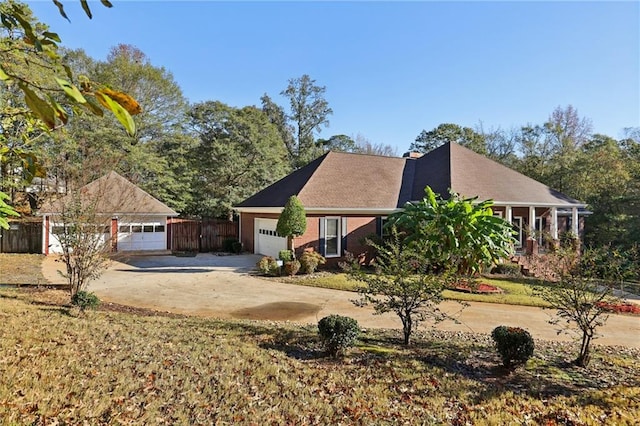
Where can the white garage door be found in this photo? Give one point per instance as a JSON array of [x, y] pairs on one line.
[[268, 242], [142, 236]]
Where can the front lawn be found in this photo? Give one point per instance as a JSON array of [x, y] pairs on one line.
[[515, 291], [117, 368]]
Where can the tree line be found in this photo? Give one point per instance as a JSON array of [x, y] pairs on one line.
[[203, 158]]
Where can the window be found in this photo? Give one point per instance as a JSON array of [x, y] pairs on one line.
[[159, 228], [136, 228], [147, 228], [332, 237], [385, 231], [124, 229]]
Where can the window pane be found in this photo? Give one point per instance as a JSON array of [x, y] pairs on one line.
[[332, 246], [147, 228], [136, 228], [331, 233], [159, 228], [123, 229], [332, 228]]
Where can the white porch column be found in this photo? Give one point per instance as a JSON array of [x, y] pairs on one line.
[[554, 223], [574, 221], [532, 222], [508, 214]]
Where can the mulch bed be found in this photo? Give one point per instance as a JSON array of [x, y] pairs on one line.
[[620, 308], [480, 288]]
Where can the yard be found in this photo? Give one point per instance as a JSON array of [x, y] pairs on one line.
[[121, 368], [516, 291], [130, 365]]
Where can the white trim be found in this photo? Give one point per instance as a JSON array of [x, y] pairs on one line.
[[322, 210], [524, 204], [518, 221], [338, 220], [554, 223]]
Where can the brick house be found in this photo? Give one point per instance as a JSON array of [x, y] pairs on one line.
[[348, 196]]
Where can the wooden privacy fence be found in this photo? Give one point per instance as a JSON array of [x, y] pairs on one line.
[[21, 237], [201, 235]]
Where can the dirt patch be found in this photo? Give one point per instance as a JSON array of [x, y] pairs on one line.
[[278, 311], [21, 269]]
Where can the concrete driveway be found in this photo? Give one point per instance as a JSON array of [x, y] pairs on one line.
[[221, 287]]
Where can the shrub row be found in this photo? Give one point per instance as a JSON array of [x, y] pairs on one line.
[[308, 263]]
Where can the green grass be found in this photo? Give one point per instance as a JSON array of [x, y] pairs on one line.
[[116, 368], [515, 291]]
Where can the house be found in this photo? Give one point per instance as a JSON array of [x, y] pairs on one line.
[[130, 218], [347, 197]]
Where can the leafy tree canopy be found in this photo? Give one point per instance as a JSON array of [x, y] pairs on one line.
[[427, 141], [239, 153]]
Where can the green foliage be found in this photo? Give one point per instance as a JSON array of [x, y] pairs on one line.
[[448, 132], [509, 269], [239, 153], [85, 300], [310, 260], [308, 112], [292, 267], [26, 41], [457, 234], [267, 265], [232, 245], [338, 333], [293, 219], [403, 284], [285, 255], [514, 344], [5, 211]]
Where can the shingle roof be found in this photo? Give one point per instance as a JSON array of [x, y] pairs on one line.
[[113, 194], [471, 174], [352, 181]]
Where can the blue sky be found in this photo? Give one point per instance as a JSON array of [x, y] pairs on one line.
[[391, 69]]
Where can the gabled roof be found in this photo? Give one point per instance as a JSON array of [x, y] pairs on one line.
[[113, 194], [471, 174], [339, 180]]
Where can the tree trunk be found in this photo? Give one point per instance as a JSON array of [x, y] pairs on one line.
[[406, 328], [584, 357]]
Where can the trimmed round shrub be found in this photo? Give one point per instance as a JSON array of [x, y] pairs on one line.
[[268, 266], [85, 300], [310, 261], [338, 333], [285, 255], [292, 267], [514, 344]]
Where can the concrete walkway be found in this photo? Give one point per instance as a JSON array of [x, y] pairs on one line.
[[221, 287]]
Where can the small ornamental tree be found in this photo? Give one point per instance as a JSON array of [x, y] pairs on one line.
[[581, 294], [292, 221], [403, 284]]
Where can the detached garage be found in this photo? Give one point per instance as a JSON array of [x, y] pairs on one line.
[[125, 217]]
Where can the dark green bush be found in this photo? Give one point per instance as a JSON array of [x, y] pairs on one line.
[[285, 255], [292, 267], [514, 344], [310, 261], [338, 333], [85, 300], [231, 245], [510, 269], [268, 266]]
